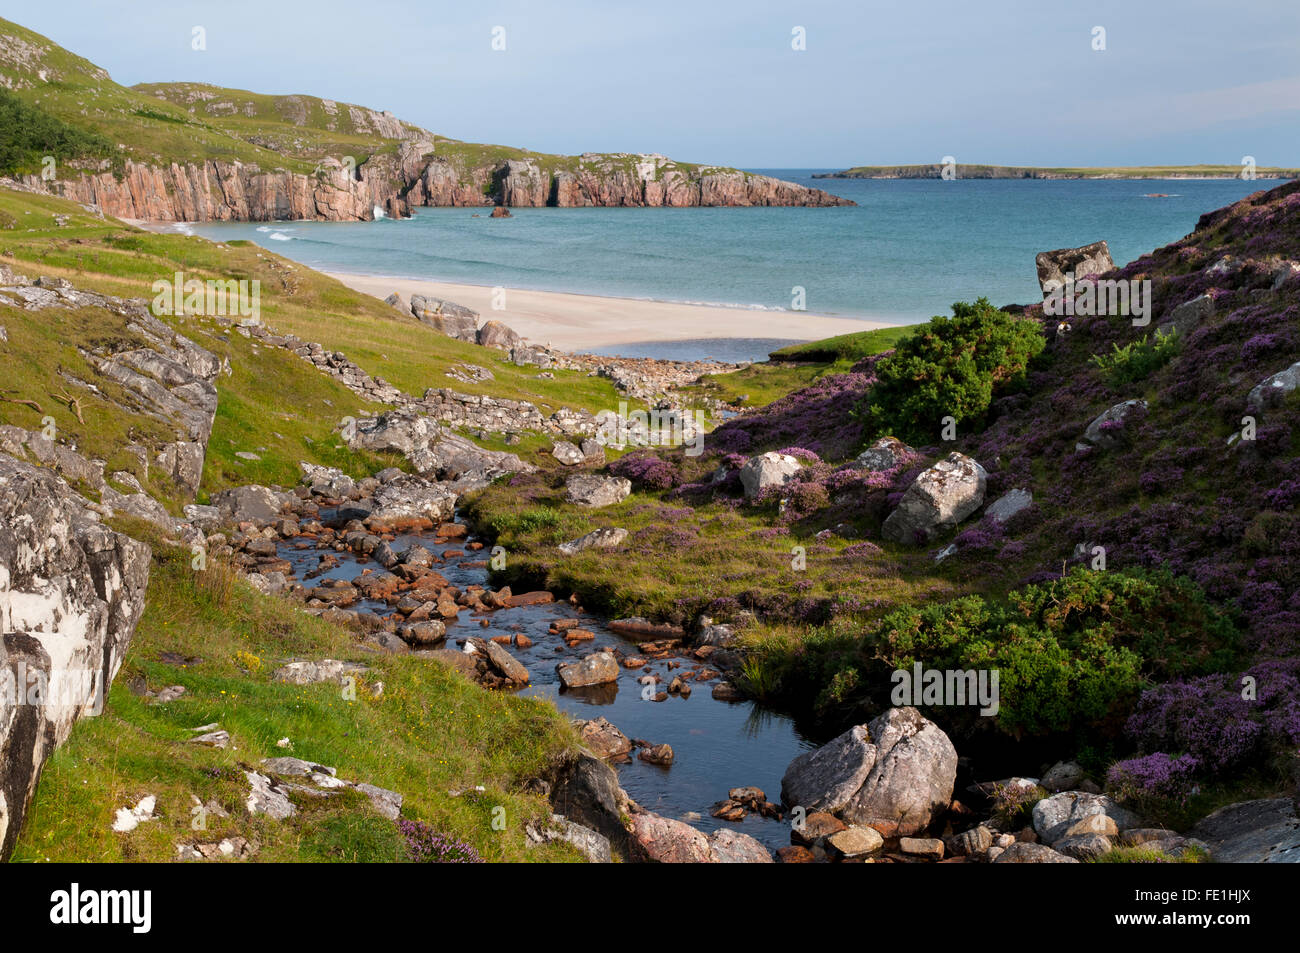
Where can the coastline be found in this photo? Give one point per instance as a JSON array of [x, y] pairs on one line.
[[578, 322]]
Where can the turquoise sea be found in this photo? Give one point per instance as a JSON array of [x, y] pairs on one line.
[[907, 251]]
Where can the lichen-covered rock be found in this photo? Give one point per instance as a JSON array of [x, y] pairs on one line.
[[885, 454], [71, 593], [767, 470], [607, 537], [451, 319], [1273, 388], [598, 668], [1055, 266], [589, 489], [938, 499], [1009, 504]]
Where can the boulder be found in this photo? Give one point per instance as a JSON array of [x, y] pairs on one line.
[[608, 537], [594, 846], [767, 470], [1055, 266], [496, 334], [1265, 831], [938, 499], [71, 593], [599, 668], [1024, 853], [1062, 776], [894, 774], [1188, 315], [446, 316], [567, 453], [603, 738], [1106, 430], [1056, 816], [666, 841], [586, 790], [855, 842], [248, 504], [1009, 504], [510, 667], [1272, 389], [885, 454], [589, 489], [729, 846]]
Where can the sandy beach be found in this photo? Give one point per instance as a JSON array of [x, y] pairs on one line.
[[574, 322]]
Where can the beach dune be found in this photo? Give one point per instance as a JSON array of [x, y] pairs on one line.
[[577, 322]]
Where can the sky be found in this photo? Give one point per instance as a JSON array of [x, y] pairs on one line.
[[1013, 82]]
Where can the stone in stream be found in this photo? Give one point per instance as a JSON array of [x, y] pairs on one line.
[[510, 667], [894, 774], [661, 754], [603, 738], [596, 669]]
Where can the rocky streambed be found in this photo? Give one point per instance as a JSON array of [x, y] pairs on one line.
[[678, 735]]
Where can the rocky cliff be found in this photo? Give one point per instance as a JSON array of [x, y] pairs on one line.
[[218, 191], [71, 593]]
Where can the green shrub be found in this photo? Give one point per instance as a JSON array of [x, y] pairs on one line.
[[950, 367], [1138, 360], [29, 134]]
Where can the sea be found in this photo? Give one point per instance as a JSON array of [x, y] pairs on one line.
[[905, 252]]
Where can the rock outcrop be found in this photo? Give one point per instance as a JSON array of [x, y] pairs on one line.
[[71, 593], [895, 774], [940, 498], [1055, 266]]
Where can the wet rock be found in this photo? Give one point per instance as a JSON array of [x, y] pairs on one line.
[[586, 790], [660, 754], [603, 738], [597, 669], [938, 499], [592, 490]]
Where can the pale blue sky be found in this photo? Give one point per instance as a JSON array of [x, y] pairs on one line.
[[1011, 81]]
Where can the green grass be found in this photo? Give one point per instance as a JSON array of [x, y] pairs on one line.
[[794, 367], [430, 732]]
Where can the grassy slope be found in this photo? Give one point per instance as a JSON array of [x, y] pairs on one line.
[[194, 122], [274, 404], [430, 732]]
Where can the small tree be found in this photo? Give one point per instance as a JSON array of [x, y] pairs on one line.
[[951, 367]]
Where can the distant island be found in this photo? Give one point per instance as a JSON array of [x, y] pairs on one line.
[[935, 171]]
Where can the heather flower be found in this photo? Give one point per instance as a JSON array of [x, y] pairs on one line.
[[427, 846]]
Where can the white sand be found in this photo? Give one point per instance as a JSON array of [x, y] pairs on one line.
[[574, 322]]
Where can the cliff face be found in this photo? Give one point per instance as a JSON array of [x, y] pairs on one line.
[[218, 191], [71, 593]]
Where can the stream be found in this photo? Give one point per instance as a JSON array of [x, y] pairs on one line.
[[717, 745]]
